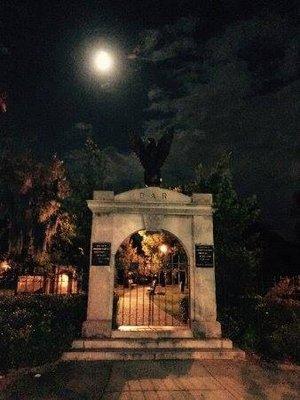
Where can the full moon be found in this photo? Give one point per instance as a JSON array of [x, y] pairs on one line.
[[103, 61]]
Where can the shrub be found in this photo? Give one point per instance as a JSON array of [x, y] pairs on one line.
[[284, 342], [115, 310], [35, 329], [184, 309], [265, 325]]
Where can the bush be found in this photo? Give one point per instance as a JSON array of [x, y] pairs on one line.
[[35, 329], [184, 309], [266, 326], [284, 342], [115, 310]]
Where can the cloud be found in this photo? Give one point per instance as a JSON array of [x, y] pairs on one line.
[[240, 97]]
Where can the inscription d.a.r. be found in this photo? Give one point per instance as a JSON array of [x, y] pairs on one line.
[[153, 196]]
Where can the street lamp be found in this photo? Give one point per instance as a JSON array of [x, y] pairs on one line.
[[164, 248]]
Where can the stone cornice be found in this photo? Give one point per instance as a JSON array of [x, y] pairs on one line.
[[151, 200], [99, 207]]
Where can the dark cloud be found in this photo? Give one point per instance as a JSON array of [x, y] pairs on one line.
[[241, 97]]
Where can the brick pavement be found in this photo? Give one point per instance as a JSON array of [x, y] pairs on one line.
[[220, 380], [162, 380]]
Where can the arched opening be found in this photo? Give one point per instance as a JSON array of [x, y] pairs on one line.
[[151, 281]]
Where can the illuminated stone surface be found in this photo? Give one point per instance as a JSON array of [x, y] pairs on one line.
[[116, 217]]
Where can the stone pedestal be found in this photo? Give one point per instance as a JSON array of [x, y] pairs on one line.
[[116, 217], [204, 329], [203, 300], [99, 328], [99, 312]]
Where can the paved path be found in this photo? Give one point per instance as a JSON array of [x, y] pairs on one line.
[[162, 380], [137, 307], [220, 380]]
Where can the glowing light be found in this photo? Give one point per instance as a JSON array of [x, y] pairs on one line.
[[63, 282], [4, 266], [164, 248], [103, 61]]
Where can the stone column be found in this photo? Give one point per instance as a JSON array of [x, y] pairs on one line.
[[101, 281], [204, 308]]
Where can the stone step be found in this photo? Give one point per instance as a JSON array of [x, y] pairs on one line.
[[153, 354], [148, 343], [152, 333]]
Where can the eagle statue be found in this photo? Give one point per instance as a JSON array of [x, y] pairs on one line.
[[152, 154]]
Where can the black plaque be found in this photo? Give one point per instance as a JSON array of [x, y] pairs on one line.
[[204, 255], [101, 253]]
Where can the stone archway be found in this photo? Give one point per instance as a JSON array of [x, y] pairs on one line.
[[151, 286], [115, 217]]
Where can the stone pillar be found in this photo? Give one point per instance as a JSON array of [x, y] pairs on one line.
[[101, 279], [203, 301]]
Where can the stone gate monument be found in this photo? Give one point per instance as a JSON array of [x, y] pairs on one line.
[[116, 217], [190, 220]]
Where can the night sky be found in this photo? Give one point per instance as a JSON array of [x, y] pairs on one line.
[[46, 75], [45, 50]]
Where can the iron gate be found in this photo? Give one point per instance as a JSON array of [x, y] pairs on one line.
[[153, 299]]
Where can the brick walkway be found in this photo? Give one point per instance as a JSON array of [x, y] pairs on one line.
[[162, 380], [221, 380]]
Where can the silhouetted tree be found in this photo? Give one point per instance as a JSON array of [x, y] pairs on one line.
[[237, 242], [33, 218]]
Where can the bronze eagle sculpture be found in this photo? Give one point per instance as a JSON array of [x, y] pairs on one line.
[[152, 154]]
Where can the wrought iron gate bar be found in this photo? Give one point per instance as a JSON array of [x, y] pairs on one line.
[[143, 303], [123, 308], [136, 305], [129, 304], [165, 294], [154, 299]]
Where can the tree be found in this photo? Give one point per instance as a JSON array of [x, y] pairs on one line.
[[144, 249], [125, 171], [127, 256], [87, 171], [151, 243], [33, 219], [237, 241]]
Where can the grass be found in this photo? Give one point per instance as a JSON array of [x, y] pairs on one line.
[[170, 301], [166, 298]]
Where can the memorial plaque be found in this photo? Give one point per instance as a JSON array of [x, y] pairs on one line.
[[101, 253], [204, 255]]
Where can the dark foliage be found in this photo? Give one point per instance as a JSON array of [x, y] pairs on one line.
[[264, 325], [237, 242], [35, 329], [115, 310], [184, 309]]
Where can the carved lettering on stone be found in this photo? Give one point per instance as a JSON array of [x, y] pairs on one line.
[[153, 196]]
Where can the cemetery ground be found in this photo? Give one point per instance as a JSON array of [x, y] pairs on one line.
[[140, 308], [185, 379]]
